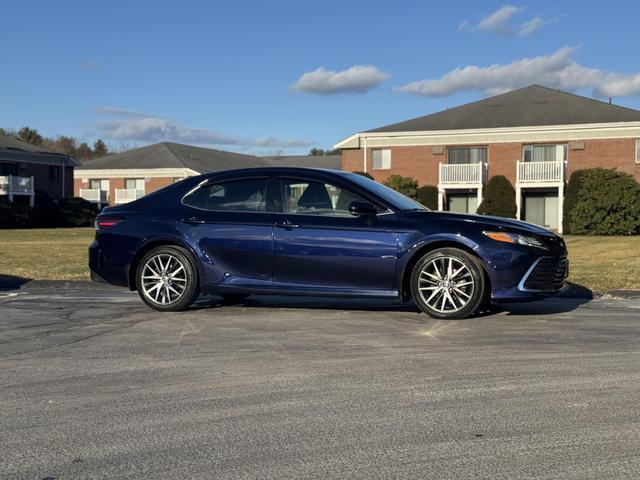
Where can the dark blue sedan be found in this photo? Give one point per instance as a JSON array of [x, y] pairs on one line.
[[295, 231]]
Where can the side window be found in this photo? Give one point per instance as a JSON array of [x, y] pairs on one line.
[[248, 195], [306, 197]]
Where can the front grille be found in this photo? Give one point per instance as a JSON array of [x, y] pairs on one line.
[[548, 274]]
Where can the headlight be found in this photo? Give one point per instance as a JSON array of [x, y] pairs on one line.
[[526, 240]]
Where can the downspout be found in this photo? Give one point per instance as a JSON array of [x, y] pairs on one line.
[[364, 141], [64, 161]]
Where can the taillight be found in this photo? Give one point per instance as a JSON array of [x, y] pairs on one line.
[[105, 222]]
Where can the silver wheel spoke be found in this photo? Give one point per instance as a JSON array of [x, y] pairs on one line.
[[438, 289], [164, 279]]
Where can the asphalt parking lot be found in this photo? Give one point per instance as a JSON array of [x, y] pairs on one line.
[[95, 385]]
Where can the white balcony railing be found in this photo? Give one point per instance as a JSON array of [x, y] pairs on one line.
[[540, 172], [94, 195], [125, 195], [12, 185], [458, 174]]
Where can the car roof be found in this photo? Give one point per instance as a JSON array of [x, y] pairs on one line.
[[275, 171]]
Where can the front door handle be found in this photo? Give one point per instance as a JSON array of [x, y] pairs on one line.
[[193, 221], [287, 224]]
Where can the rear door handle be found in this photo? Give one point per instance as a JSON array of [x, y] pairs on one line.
[[287, 224], [193, 220]]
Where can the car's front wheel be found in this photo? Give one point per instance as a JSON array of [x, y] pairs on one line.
[[167, 280], [448, 283]]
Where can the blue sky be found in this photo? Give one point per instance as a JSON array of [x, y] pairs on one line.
[[231, 75]]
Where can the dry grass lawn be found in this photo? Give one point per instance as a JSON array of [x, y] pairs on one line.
[[598, 263], [46, 254]]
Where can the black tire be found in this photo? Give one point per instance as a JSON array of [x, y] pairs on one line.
[[462, 298], [191, 289]]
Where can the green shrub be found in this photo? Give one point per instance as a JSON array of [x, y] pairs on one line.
[[571, 197], [77, 212], [607, 203], [365, 174], [427, 195], [405, 185], [499, 198]]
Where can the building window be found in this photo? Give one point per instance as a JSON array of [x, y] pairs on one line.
[[638, 150], [466, 155], [545, 153], [382, 159], [9, 169], [54, 173], [134, 184]]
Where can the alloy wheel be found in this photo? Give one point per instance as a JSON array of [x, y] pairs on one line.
[[446, 284], [164, 279]]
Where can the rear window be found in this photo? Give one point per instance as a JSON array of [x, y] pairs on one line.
[[249, 195]]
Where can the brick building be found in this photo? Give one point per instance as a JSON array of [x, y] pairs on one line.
[[123, 177], [534, 136], [27, 169]]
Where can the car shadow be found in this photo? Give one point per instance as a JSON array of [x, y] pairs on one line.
[[571, 299], [12, 282]]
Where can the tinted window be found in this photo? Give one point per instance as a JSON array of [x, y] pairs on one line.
[[308, 197], [248, 195]]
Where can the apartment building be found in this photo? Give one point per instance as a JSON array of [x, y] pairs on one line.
[[535, 136], [26, 169]]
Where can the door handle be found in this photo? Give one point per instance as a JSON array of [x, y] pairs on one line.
[[193, 221], [287, 225]]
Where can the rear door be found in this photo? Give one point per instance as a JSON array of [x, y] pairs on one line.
[[232, 224], [319, 244]]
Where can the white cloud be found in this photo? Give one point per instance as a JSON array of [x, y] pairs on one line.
[[557, 70], [357, 79], [500, 22], [133, 126]]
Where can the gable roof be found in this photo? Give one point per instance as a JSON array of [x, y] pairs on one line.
[[175, 155], [333, 162], [527, 107], [16, 150]]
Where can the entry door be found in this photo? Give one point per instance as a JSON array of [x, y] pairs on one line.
[[319, 244], [232, 226]]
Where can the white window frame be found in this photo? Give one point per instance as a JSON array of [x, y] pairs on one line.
[[384, 162], [556, 145]]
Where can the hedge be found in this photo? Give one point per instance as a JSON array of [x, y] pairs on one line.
[[427, 195], [499, 198], [405, 185], [70, 212], [607, 202]]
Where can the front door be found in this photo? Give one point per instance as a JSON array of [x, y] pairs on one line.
[[319, 244], [541, 208], [232, 226]]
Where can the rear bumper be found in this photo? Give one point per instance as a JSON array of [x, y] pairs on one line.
[[101, 271]]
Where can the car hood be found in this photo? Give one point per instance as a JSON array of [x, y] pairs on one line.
[[501, 223]]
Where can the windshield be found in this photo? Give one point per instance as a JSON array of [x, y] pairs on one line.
[[397, 199]]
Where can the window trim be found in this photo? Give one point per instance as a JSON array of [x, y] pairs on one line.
[[566, 149], [212, 181], [637, 150], [453, 147], [373, 150]]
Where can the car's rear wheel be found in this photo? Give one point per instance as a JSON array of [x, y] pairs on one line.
[[167, 280], [448, 283]]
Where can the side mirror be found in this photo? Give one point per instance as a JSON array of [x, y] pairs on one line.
[[362, 209]]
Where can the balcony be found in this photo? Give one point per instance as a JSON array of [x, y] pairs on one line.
[[11, 185], [540, 172], [126, 195], [468, 174], [94, 195]]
